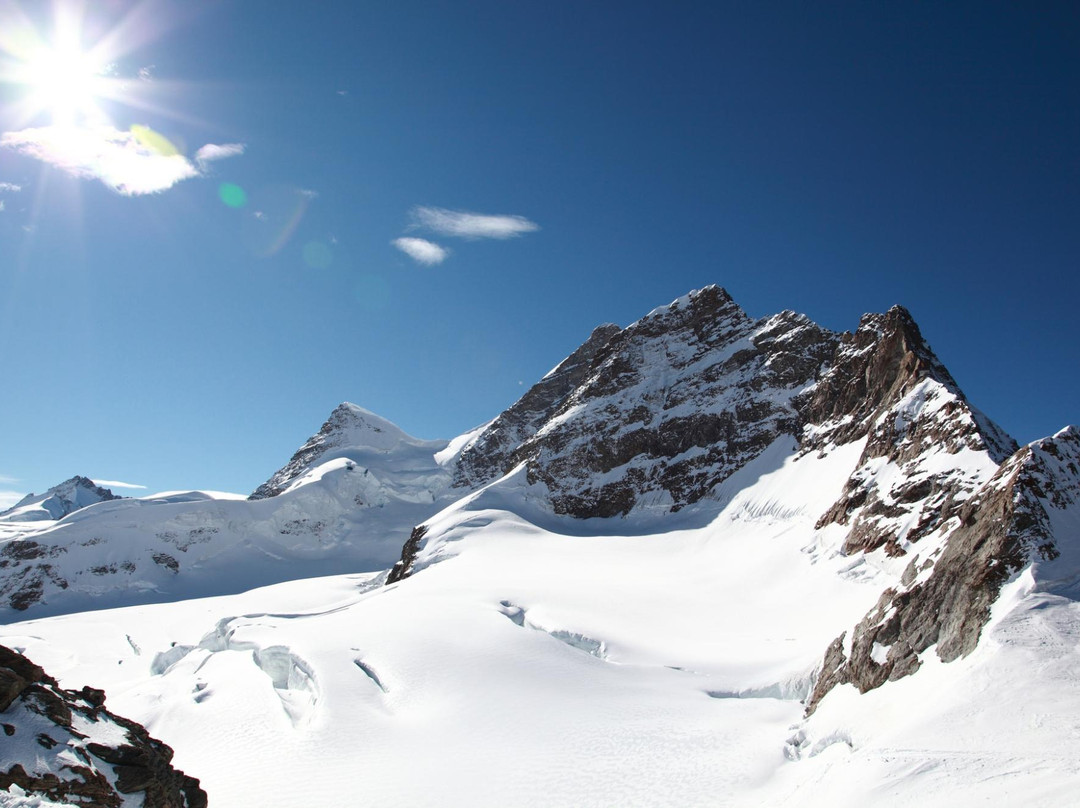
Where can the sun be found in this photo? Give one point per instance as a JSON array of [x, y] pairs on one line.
[[56, 72], [64, 81]]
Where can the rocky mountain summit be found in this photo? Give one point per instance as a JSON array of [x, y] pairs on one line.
[[656, 416], [65, 746]]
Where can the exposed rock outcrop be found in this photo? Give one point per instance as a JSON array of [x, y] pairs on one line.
[[884, 384], [65, 746], [945, 600]]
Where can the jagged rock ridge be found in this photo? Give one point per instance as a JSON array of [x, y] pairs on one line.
[[662, 410], [65, 746]]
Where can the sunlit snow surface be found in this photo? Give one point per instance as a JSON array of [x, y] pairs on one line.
[[525, 665]]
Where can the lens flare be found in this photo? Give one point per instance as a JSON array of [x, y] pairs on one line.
[[232, 195]]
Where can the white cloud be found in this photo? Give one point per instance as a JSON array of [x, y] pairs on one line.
[[1, 205], [463, 224], [421, 250], [9, 187], [116, 484], [211, 152], [120, 160], [9, 498], [5, 480], [147, 73]]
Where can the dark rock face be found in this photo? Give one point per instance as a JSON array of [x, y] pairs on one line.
[[29, 571], [999, 530], [403, 568], [50, 747], [488, 457]]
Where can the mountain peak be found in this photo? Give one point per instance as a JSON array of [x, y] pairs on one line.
[[348, 428], [60, 500]]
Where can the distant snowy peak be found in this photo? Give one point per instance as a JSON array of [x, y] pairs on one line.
[[348, 429], [58, 501]]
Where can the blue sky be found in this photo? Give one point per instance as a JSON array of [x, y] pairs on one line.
[[199, 243]]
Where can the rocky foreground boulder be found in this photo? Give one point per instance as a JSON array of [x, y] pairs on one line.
[[66, 747]]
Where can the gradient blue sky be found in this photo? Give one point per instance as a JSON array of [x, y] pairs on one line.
[[832, 158]]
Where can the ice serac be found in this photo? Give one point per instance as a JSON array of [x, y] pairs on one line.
[[1026, 515], [56, 503], [63, 745]]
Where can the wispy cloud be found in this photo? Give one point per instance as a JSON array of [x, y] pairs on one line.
[[9, 188], [465, 224], [147, 73], [116, 484], [124, 161], [5, 480], [9, 498], [212, 151], [421, 250]]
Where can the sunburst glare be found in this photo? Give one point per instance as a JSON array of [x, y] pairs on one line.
[[65, 85]]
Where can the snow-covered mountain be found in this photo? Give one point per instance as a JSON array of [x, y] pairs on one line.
[[58, 501], [346, 501], [706, 560]]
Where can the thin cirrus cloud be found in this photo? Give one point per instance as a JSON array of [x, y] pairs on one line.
[[421, 250], [9, 498], [468, 225], [116, 484], [132, 163]]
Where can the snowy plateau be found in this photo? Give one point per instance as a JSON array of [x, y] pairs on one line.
[[707, 560]]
